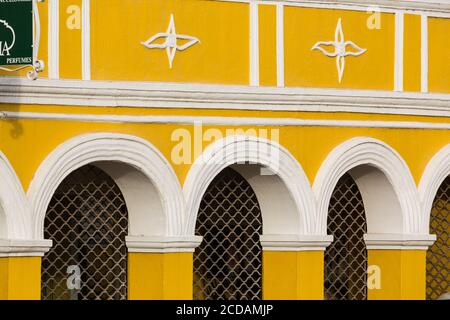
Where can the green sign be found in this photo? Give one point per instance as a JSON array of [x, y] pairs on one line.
[[16, 32]]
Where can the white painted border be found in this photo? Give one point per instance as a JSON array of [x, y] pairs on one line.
[[86, 40], [438, 8], [224, 121], [254, 44], [163, 244], [240, 149], [53, 39], [88, 148], [292, 242], [280, 45], [368, 151], [399, 43], [385, 241], [178, 95], [24, 248], [435, 173], [424, 53], [13, 202]]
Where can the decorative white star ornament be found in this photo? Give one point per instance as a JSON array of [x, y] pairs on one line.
[[171, 43], [340, 49]]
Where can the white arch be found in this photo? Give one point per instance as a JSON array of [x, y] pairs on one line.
[[14, 206], [284, 193], [384, 180], [434, 175], [139, 169]]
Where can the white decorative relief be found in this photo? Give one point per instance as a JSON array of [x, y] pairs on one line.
[[340, 49], [171, 41]]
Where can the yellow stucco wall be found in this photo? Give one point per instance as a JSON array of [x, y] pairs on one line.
[[223, 57], [20, 278], [37, 138], [438, 55], [304, 67], [158, 276], [292, 275], [402, 274], [70, 39]]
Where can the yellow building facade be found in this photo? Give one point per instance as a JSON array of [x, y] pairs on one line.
[[162, 96]]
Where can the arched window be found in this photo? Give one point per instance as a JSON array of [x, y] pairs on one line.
[[438, 262], [346, 257], [228, 263], [87, 220]]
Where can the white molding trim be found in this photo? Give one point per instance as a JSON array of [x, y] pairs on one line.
[[436, 171], [389, 165], [13, 203], [86, 40], [53, 39], [424, 53], [254, 44], [240, 149], [224, 121], [437, 8], [399, 241], [174, 95], [163, 244], [399, 43], [280, 45], [294, 242], [24, 248], [110, 147]]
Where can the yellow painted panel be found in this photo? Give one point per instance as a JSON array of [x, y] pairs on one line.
[[279, 275], [70, 39], [178, 277], [267, 45], [145, 276], [403, 274], [438, 55], [304, 27], [412, 53], [43, 46], [156, 276], [293, 275], [222, 56], [311, 275], [20, 278]]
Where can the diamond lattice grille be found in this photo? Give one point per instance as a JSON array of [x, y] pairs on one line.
[[438, 262], [346, 257], [228, 263], [87, 220]]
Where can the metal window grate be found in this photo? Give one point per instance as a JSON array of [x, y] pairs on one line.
[[228, 263], [87, 220], [346, 257], [438, 263]]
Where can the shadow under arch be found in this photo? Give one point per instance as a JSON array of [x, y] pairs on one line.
[[148, 183], [387, 187], [14, 206], [281, 186]]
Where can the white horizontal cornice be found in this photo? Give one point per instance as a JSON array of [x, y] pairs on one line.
[[24, 248], [432, 7], [180, 95], [288, 242], [399, 241], [421, 5], [162, 244]]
